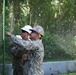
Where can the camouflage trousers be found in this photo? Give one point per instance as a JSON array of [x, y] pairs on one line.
[[18, 71], [20, 68]]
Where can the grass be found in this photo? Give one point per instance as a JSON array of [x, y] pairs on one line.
[[68, 74]]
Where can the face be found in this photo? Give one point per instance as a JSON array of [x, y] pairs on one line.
[[33, 35], [24, 34]]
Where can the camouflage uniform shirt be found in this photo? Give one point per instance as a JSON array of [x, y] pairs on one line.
[[18, 63], [36, 54]]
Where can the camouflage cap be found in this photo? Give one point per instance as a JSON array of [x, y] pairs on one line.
[[39, 29]]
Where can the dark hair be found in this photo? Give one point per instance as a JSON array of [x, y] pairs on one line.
[[23, 31]]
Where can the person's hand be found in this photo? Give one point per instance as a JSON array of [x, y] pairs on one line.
[[24, 57], [8, 33]]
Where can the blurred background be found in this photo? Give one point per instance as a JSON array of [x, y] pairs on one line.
[[57, 17]]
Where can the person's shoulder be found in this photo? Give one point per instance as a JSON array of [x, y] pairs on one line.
[[38, 42]]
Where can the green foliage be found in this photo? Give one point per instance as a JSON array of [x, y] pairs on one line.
[[55, 48], [58, 18]]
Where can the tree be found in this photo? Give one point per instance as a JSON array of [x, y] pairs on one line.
[[57, 17]]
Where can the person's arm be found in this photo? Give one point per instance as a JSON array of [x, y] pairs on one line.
[[27, 44], [14, 51]]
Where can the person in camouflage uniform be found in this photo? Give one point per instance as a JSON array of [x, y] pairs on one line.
[[35, 48], [18, 51]]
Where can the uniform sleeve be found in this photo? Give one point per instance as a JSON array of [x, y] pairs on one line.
[[14, 51], [27, 44]]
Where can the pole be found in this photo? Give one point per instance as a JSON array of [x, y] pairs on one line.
[[3, 37]]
